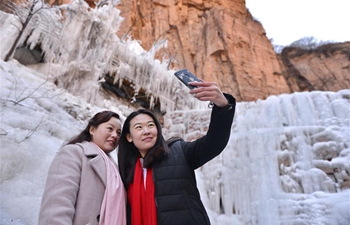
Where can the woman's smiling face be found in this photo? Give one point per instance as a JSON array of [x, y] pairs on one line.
[[143, 133], [106, 135]]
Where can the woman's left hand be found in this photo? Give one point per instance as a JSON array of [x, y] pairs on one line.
[[209, 91]]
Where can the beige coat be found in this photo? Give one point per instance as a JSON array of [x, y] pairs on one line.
[[75, 187]]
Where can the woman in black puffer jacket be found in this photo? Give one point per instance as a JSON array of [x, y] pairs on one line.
[[159, 175]]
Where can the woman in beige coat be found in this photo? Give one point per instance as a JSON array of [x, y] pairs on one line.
[[83, 184]]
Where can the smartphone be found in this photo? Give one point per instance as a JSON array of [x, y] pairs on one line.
[[185, 76]]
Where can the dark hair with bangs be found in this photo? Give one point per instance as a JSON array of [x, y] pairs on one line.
[[128, 153]]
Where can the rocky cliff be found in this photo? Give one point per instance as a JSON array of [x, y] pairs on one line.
[[221, 41], [325, 68]]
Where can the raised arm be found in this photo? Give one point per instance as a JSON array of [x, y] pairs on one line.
[[213, 143]]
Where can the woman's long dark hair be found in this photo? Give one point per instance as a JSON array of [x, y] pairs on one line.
[[95, 121], [128, 153]]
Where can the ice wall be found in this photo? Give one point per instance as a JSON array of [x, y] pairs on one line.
[[83, 48]]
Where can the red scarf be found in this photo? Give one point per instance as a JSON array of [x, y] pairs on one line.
[[143, 207]]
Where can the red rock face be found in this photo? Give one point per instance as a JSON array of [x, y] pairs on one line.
[[220, 41], [326, 68]]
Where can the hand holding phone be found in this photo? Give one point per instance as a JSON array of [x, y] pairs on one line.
[[185, 76]]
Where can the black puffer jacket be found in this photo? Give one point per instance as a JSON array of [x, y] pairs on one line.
[[176, 194]]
